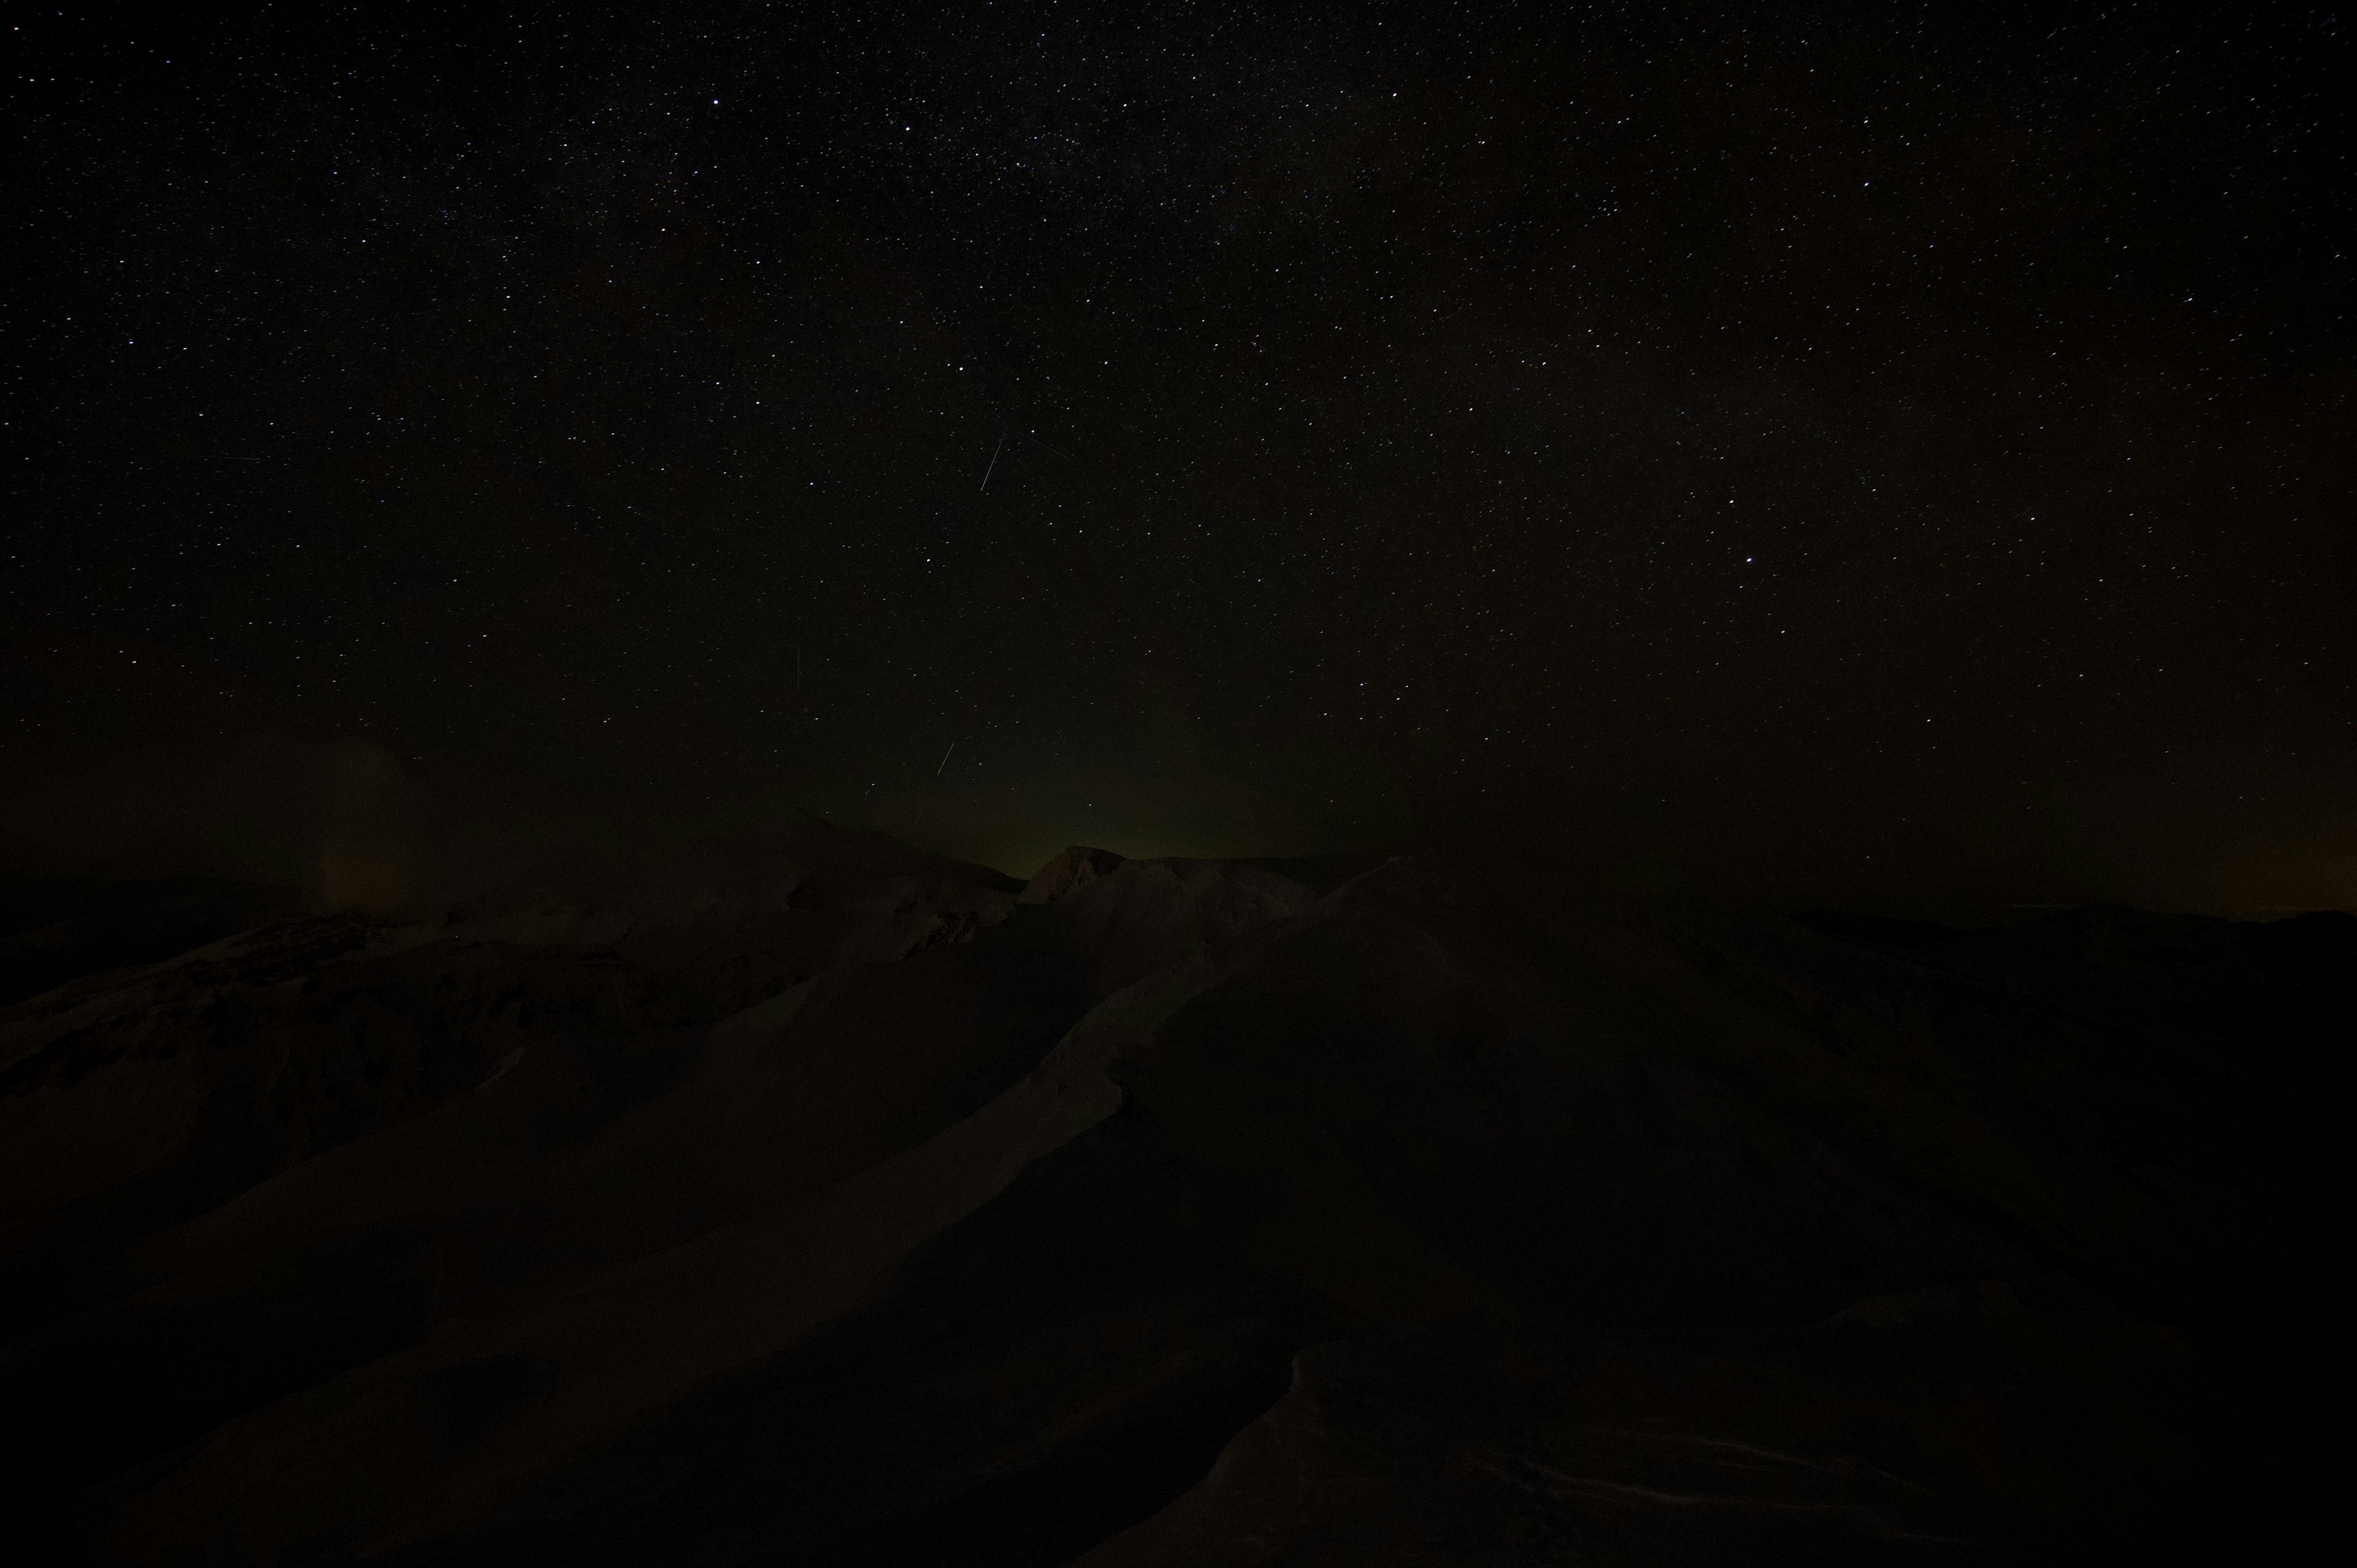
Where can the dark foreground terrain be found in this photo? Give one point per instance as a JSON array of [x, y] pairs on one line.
[[827, 1202]]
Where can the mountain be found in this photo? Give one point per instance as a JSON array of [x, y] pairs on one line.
[[819, 1199], [54, 929]]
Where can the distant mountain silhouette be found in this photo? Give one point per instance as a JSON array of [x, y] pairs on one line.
[[57, 929], [817, 1200]]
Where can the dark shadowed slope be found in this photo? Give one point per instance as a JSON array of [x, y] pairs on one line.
[[827, 1202], [54, 929]]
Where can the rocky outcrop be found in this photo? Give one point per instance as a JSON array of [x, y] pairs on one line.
[[1068, 870]]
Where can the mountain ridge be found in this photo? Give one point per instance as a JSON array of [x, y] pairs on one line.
[[490, 1233]]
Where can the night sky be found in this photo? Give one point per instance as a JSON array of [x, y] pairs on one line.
[[1801, 454]]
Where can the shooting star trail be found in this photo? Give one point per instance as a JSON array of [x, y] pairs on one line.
[[994, 462], [945, 759], [1043, 446]]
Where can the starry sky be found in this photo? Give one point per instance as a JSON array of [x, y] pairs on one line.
[[1867, 453]]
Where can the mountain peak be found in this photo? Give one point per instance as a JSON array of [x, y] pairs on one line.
[[1068, 871]]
